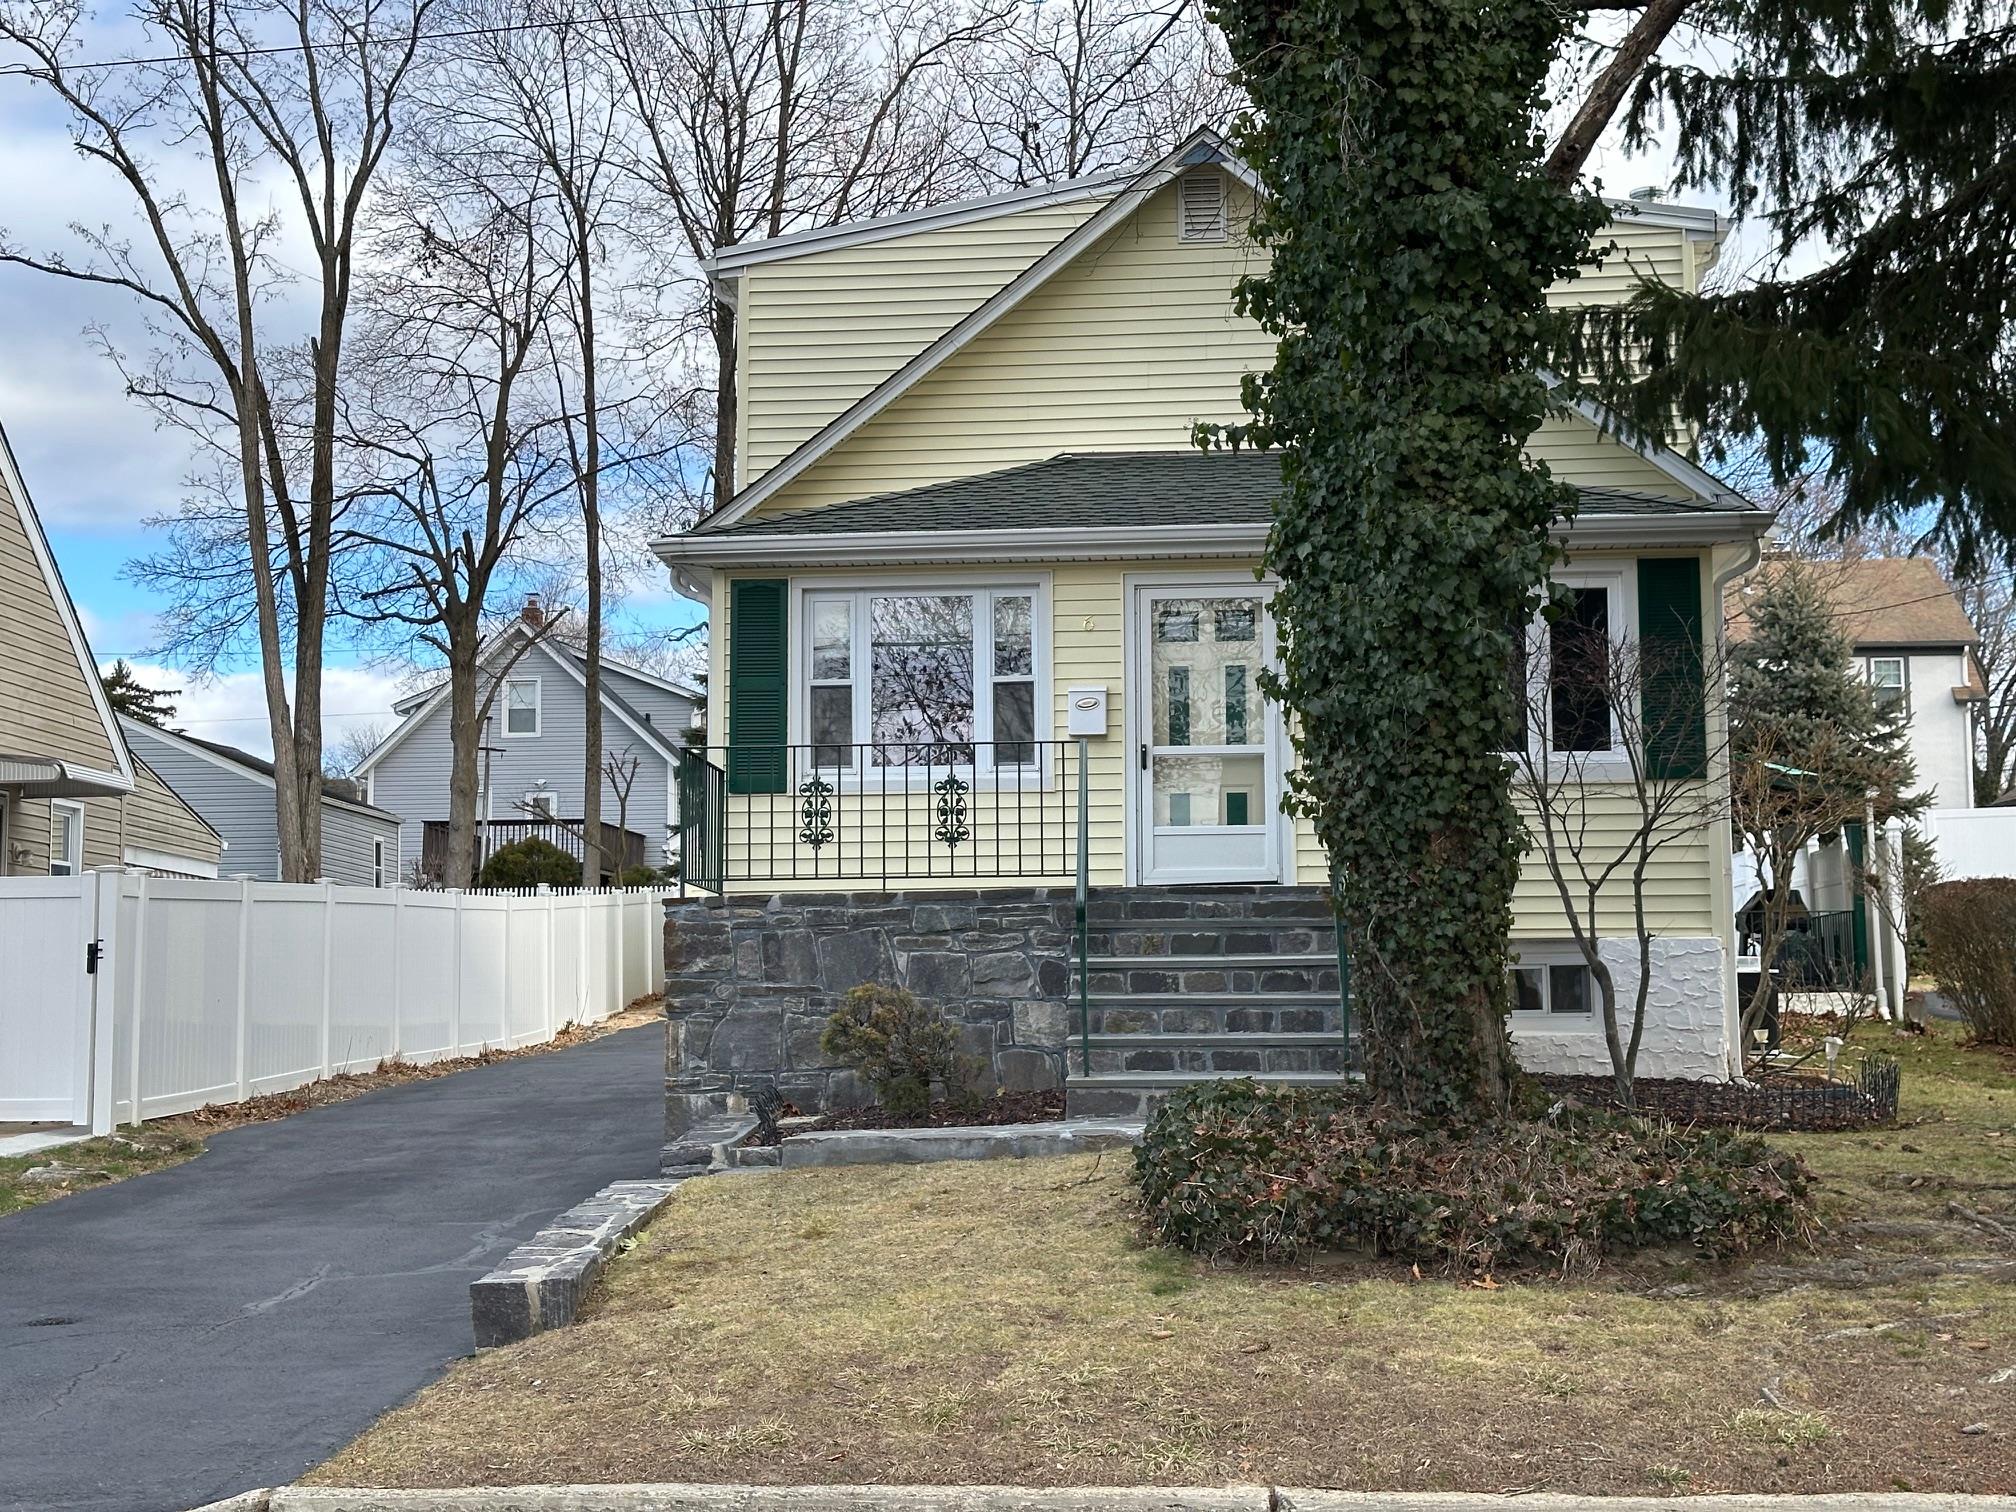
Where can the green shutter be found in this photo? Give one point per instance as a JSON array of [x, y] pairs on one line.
[[1670, 641], [758, 698]]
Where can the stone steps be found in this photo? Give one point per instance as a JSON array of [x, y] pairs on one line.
[[1233, 1054], [1246, 1013], [1187, 975]]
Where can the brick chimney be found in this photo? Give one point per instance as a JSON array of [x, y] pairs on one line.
[[533, 616]]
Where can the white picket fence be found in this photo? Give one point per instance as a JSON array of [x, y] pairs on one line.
[[203, 992]]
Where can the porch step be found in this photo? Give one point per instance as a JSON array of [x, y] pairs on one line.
[[1233, 1054], [1188, 975], [1204, 1014], [1134, 1094], [1215, 938]]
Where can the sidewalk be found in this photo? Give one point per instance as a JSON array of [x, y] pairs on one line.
[[699, 1498]]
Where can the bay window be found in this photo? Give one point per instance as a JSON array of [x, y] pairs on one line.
[[897, 677]]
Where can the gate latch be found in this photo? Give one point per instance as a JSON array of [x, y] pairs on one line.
[[91, 954]]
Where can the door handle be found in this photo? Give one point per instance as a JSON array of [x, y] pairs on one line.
[[1144, 756]]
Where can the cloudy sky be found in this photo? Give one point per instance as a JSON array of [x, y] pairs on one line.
[[97, 467]]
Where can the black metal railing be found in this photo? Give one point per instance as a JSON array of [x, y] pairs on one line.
[[879, 811], [622, 849]]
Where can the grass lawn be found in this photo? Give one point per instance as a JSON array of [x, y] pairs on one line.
[[1000, 1322], [164, 1142]]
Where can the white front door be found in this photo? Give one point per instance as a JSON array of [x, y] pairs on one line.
[[1207, 745]]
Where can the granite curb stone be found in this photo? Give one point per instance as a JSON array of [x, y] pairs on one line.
[[742, 1498], [542, 1283]]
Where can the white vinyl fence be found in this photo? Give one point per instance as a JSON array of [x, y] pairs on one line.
[[1973, 842], [126, 997]]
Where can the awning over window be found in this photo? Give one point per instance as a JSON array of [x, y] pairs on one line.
[[46, 777]]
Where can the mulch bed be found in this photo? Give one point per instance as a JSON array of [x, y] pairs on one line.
[[945, 1113], [1784, 1103]]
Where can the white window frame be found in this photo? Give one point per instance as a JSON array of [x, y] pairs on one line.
[[983, 587], [543, 800], [1903, 679], [1544, 958], [538, 708], [1621, 582], [73, 861], [377, 862]]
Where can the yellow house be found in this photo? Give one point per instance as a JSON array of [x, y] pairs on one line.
[[986, 631]]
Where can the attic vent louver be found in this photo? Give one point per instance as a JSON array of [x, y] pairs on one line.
[[1200, 206]]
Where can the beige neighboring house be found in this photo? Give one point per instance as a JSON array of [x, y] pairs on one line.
[[72, 796]]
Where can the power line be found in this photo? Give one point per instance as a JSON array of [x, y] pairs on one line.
[[462, 34]]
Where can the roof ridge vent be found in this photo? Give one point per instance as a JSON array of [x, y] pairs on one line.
[[1200, 205]]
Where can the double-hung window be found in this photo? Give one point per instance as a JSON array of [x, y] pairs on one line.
[[1564, 672], [1888, 684], [66, 839], [902, 677], [521, 706]]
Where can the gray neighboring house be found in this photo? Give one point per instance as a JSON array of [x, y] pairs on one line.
[[233, 792], [533, 758]]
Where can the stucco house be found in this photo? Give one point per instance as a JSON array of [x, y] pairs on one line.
[[532, 769], [73, 797], [1913, 643], [972, 533], [233, 791]]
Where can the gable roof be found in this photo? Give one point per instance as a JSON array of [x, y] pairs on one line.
[[416, 713], [230, 758], [67, 776], [1901, 602], [1203, 147]]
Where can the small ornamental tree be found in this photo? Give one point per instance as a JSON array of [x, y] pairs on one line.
[[1413, 237], [1615, 763], [1809, 749]]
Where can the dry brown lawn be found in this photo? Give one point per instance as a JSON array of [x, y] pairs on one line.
[[1001, 1323]]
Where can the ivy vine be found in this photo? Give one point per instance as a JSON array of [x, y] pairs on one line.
[[1413, 238]]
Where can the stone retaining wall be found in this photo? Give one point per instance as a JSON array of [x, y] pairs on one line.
[[750, 982]]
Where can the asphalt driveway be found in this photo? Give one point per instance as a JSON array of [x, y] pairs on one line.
[[184, 1336]]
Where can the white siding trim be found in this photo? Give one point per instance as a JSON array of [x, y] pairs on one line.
[[38, 543], [168, 861]]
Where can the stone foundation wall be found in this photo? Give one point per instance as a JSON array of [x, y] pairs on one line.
[[1687, 1032], [750, 982]]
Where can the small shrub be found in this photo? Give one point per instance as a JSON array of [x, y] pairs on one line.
[[640, 876], [1237, 1168], [530, 862], [1970, 949], [896, 1043]]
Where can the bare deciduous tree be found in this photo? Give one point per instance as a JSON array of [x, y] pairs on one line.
[[292, 103], [1615, 763]]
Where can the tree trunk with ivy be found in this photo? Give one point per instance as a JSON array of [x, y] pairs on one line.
[[1413, 236]]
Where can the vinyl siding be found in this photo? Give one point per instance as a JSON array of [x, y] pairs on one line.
[[46, 705], [151, 818], [1088, 647], [239, 805], [670, 714], [412, 779], [1127, 348], [819, 331]]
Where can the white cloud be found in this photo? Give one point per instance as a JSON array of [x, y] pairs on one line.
[[231, 709]]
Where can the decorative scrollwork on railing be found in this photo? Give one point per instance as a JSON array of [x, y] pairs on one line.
[[951, 793], [815, 812]]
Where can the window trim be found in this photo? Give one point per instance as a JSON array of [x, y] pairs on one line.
[[805, 590], [1545, 955], [1621, 579], [377, 861], [538, 708], [544, 800], [73, 862], [1903, 678]]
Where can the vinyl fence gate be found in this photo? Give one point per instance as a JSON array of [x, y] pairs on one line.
[[125, 997]]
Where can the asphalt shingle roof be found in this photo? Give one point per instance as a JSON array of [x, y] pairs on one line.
[[1879, 601], [1112, 489]]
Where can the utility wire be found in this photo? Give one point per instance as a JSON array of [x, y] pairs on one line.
[[18, 70]]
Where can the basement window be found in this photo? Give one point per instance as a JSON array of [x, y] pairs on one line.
[[1543, 988], [1200, 206]]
